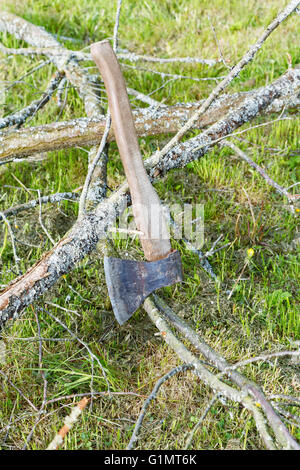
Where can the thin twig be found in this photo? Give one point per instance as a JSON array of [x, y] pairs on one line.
[[262, 357], [144, 98], [69, 421], [34, 69], [133, 57], [18, 390], [202, 418], [116, 26], [293, 400], [45, 382], [174, 76], [218, 43], [62, 308], [86, 131], [12, 237], [52, 198], [9, 423], [202, 257], [159, 383], [93, 165], [30, 111], [270, 181], [41, 220]]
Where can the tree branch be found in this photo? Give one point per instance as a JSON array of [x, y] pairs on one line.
[[148, 121]]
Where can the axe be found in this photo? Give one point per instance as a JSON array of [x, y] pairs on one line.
[[129, 282]]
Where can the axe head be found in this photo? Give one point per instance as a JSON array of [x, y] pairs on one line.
[[130, 282]]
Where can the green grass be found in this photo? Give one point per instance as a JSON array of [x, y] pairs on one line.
[[263, 313]]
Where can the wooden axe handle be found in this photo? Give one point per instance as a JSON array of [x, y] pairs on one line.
[[147, 209]]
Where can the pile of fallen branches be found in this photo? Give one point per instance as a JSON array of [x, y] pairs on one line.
[[218, 117]]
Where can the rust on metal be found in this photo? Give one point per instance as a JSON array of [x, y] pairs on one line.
[[129, 282]]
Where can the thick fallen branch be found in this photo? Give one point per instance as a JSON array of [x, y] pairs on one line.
[[15, 145]]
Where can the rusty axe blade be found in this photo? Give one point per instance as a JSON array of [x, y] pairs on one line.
[[130, 282]]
